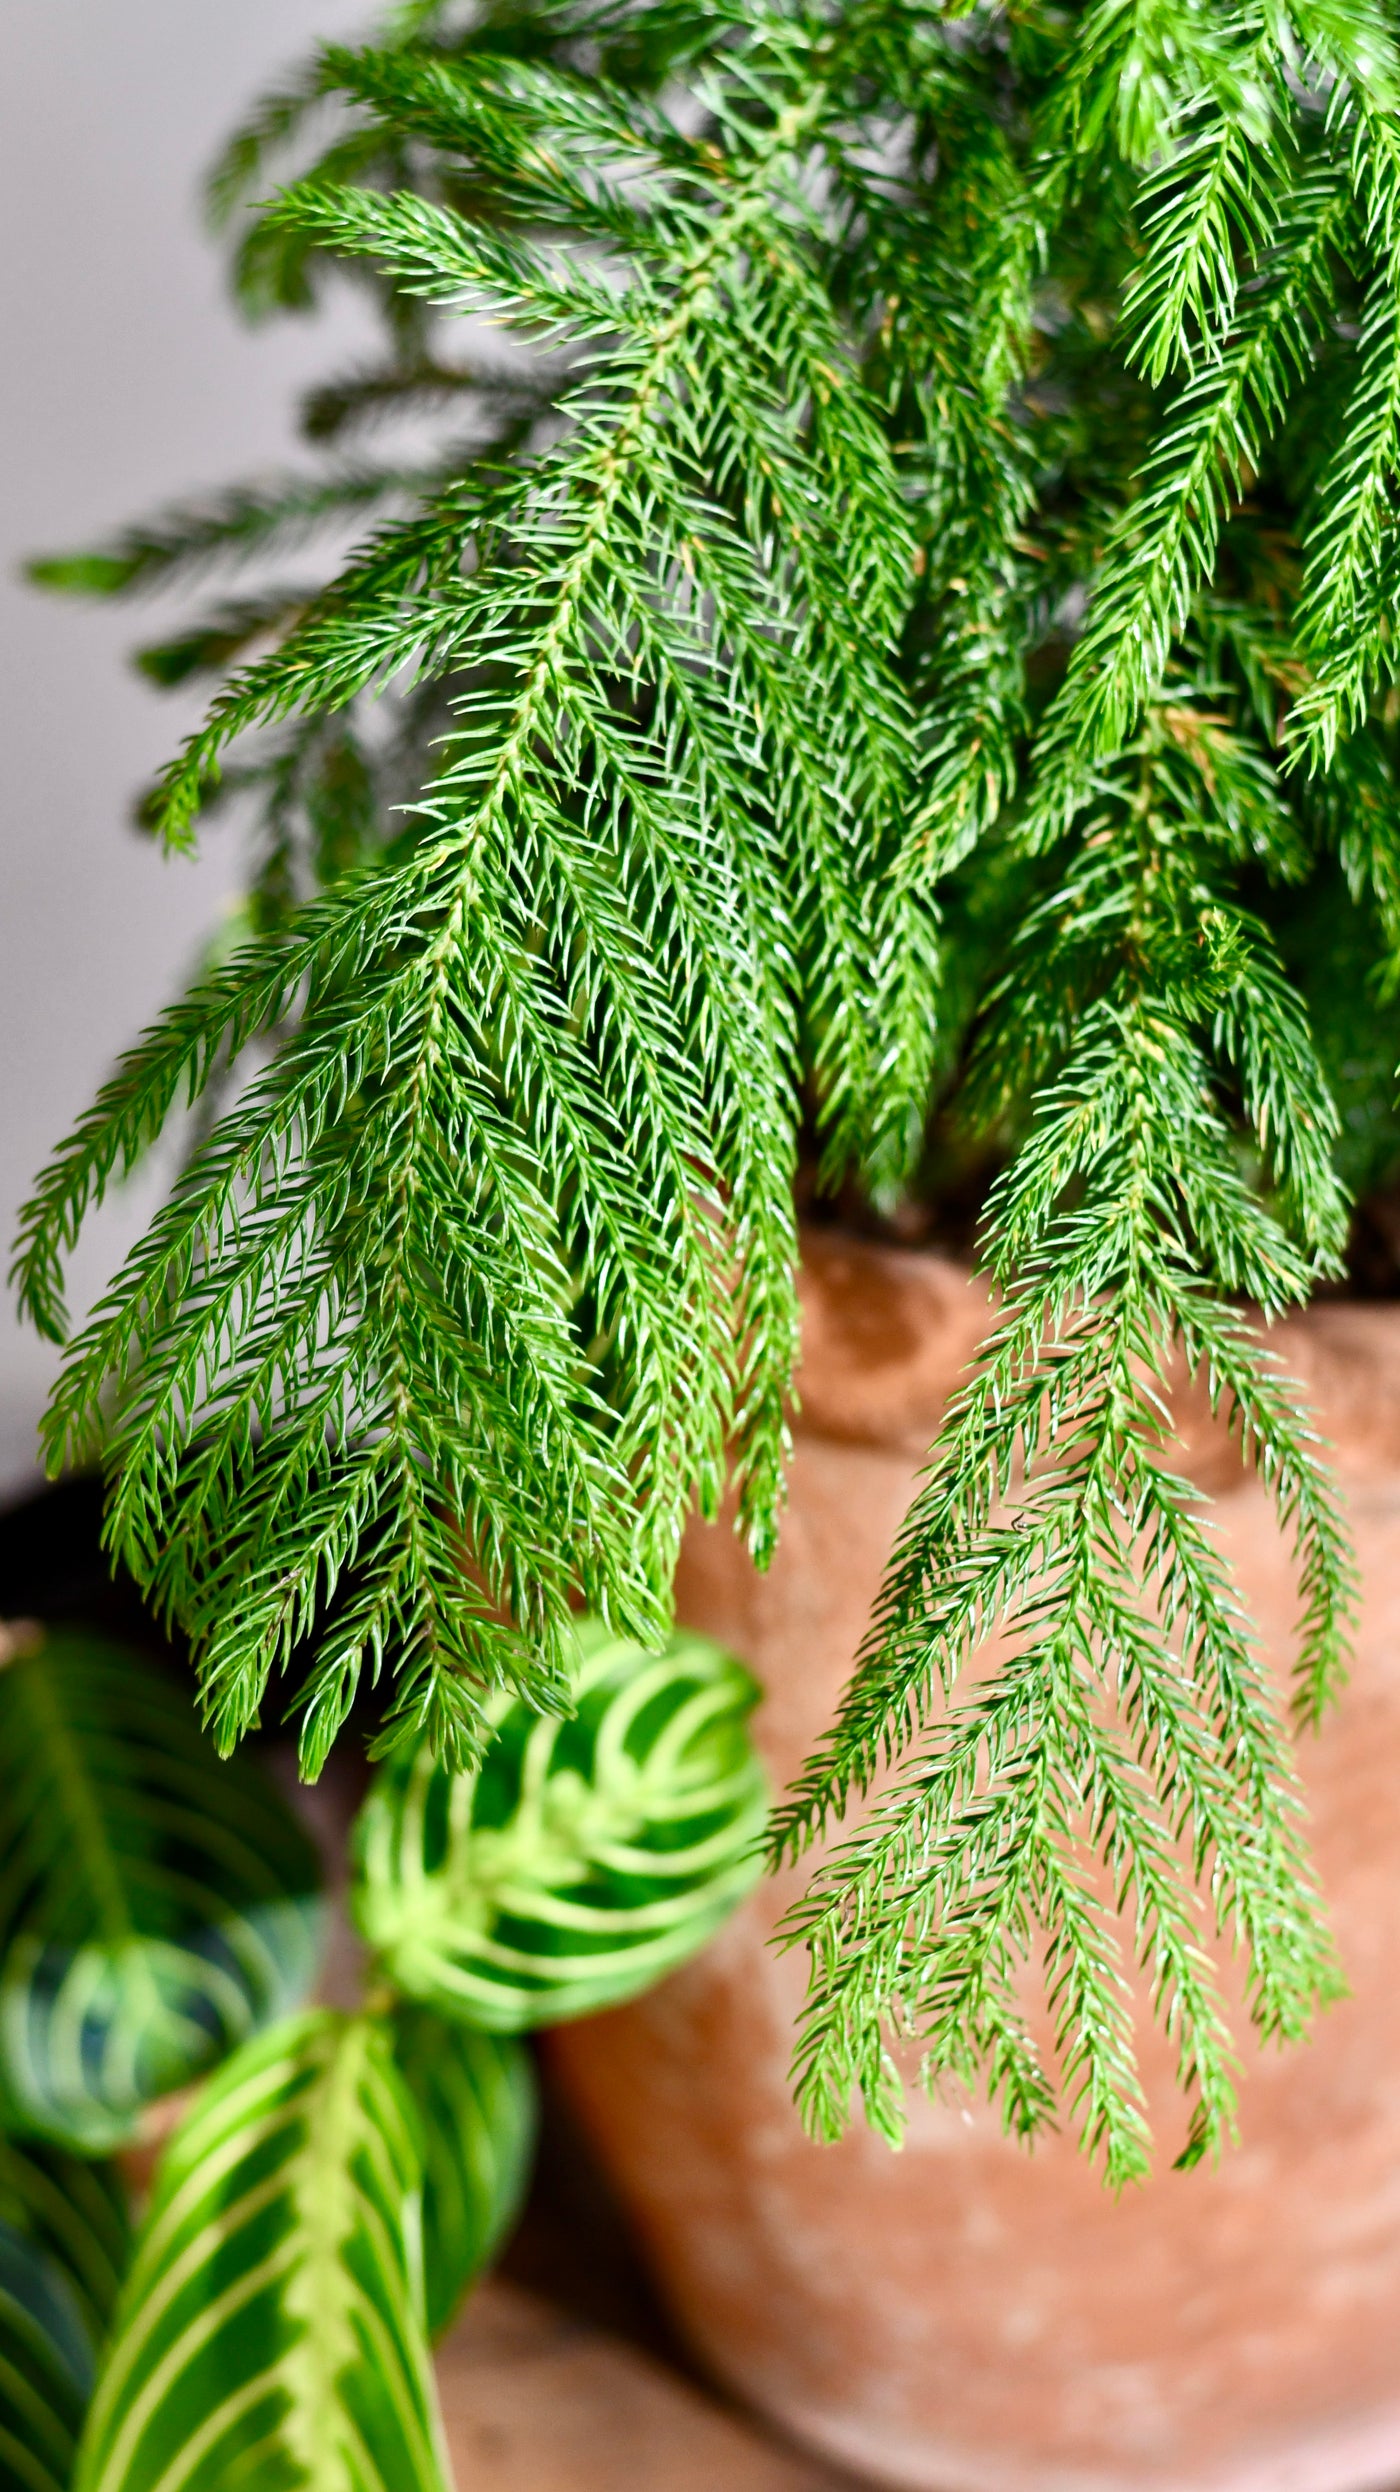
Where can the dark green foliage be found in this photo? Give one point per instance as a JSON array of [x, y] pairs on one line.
[[1344, 970], [46, 2360], [154, 1906], [474, 2094], [75, 2211], [64, 2243], [938, 460]]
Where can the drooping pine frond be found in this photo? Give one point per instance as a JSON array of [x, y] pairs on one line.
[[898, 482], [1123, 1724]]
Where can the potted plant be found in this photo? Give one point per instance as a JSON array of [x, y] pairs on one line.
[[866, 679]]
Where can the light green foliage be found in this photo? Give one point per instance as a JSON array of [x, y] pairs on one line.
[[271, 2331], [903, 471], [586, 1858], [1054, 1519], [154, 1906], [474, 2094]]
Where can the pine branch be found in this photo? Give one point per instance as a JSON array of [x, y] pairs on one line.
[[235, 526], [1343, 622], [1122, 1719], [1163, 548], [362, 1307]]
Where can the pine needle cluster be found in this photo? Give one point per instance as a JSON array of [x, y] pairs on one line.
[[856, 466]]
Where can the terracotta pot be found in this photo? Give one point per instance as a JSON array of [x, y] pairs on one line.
[[963, 2315]]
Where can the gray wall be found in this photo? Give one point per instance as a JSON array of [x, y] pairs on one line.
[[127, 380]]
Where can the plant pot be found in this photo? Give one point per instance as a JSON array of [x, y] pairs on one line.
[[964, 2315]]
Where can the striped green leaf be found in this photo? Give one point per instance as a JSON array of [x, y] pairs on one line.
[[475, 2098], [157, 1903], [585, 1858], [45, 2368], [271, 2335], [75, 2211]]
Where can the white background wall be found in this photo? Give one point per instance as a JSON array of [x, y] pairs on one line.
[[125, 380]]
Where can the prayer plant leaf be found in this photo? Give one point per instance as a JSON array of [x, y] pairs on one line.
[[75, 2211], [475, 2097], [46, 2366], [585, 1858], [156, 1905], [271, 2331]]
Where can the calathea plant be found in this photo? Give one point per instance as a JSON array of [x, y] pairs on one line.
[[877, 609], [341, 2177]]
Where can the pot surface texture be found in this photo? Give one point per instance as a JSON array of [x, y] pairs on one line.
[[963, 2316]]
